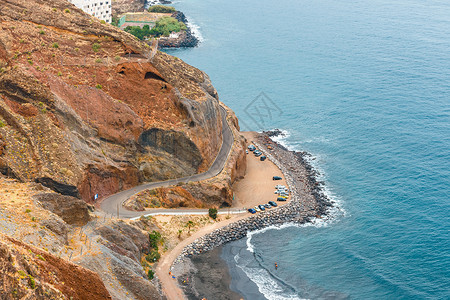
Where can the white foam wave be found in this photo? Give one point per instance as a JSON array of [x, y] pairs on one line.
[[272, 227], [314, 160], [282, 139], [337, 210], [195, 29], [267, 285]]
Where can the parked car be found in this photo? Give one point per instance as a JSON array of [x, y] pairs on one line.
[[261, 207], [259, 154], [277, 178], [279, 186], [281, 199], [257, 208], [252, 210], [256, 152], [251, 148], [267, 205], [246, 151], [274, 204], [262, 158]]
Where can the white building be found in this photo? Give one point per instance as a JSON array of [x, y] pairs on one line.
[[100, 9]]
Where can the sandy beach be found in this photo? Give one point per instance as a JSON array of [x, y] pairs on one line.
[[257, 186]]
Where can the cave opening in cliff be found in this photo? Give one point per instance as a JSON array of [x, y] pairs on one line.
[[151, 75]]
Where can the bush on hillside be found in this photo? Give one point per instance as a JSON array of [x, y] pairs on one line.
[[140, 33], [167, 25], [163, 27], [213, 213], [161, 9]]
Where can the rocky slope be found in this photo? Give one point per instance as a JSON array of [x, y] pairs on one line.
[[60, 237], [83, 111], [30, 273], [123, 6]]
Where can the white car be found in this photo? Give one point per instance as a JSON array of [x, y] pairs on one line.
[[257, 208]]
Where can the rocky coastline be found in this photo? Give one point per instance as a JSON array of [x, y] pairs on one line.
[[186, 39], [308, 200]]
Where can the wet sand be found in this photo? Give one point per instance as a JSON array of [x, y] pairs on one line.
[[207, 276]]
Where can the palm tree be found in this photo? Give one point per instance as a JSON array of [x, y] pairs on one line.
[[189, 224]]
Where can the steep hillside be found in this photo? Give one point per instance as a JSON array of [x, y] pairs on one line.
[[30, 273], [87, 109]]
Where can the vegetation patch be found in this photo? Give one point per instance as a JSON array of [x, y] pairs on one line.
[[96, 47], [161, 9], [163, 27], [212, 212]]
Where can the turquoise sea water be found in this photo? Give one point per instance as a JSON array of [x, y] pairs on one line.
[[365, 87]]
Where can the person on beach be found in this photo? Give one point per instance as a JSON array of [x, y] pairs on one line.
[[276, 266]]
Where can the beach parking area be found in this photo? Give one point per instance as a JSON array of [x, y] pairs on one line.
[[257, 187]]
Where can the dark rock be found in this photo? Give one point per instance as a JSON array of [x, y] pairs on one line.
[[64, 189], [72, 210]]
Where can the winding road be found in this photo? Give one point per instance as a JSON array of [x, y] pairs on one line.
[[113, 204]]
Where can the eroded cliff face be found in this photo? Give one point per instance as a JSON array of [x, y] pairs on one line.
[[84, 110]]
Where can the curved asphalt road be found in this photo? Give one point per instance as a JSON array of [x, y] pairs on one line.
[[113, 204]]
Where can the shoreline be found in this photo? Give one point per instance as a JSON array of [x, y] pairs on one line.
[[308, 201]]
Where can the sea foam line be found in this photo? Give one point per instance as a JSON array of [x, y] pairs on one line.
[[313, 160]]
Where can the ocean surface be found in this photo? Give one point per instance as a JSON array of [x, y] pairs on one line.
[[364, 86]]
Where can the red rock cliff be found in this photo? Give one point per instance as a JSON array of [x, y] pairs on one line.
[[84, 110]]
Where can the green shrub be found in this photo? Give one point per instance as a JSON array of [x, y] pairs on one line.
[[153, 256], [96, 47], [27, 210], [41, 257], [103, 21], [150, 274], [32, 282], [115, 21], [98, 60], [42, 32], [59, 74], [98, 86], [55, 45], [67, 11], [154, 239], [161, 9], [166, 25], [117, 58], [213, 213], [22, 273]]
